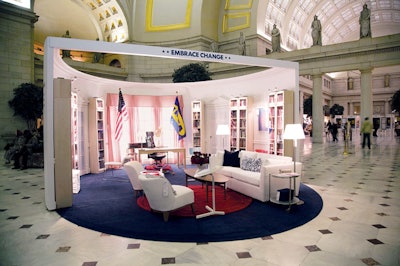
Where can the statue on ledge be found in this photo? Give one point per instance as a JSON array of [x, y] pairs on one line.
[[276, 39], [242, 44], [365, 25], [316, 31], [66, 53], [97, 57], [214, 47]]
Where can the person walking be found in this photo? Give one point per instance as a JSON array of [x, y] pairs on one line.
[[334, 132], [328, 129], [366, 129]]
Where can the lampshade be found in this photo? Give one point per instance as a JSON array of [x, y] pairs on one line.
[[293, 131], [222, 130]]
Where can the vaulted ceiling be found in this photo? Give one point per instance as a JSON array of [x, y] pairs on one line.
[[104, 19], [339, 19]]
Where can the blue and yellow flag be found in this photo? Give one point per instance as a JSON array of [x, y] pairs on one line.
[[177, 120]]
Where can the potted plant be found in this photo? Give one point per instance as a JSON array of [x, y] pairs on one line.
[[28, 103], [191, 73]]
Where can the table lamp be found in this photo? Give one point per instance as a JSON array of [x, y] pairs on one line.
[[223, 130], [294, 132]]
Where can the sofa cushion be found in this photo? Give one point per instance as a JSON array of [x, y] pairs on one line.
[[231, 159], [251, 164], [249, 177], [219, 158], [226, 171]]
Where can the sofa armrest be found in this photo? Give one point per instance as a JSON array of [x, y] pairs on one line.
[[216, 159], [281, 167]]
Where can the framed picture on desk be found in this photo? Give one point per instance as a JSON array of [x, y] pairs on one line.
[[150, 139]]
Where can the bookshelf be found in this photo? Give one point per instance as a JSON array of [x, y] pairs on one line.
[[75, 143], [241, 126], [198, 126], [280, 106], [96, 135]]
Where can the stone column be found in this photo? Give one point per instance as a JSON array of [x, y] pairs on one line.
[[301, 101], [351, 108], [317, 114], [387, 108], [366, 94]]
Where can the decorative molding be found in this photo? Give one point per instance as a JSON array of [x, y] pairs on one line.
[[373, 53], [242, 4], [20, 3], [17, 14], [149, 18], [235, 18]]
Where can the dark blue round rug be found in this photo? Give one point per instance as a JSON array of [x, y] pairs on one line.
[[106, 203]]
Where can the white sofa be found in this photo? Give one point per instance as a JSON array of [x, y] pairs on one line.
[[253, 183]]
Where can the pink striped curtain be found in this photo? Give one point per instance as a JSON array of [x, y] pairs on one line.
[[133, 133]]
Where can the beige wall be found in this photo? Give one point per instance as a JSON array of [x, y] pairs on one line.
[[16, 57]]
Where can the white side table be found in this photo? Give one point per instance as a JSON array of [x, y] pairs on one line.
[[112, 166], [291, 177]]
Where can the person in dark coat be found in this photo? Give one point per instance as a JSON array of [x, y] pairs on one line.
[[334, 132]]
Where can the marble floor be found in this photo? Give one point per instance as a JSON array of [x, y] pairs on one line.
[[358, 225]]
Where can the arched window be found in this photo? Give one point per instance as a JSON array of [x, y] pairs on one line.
[[115, 63]]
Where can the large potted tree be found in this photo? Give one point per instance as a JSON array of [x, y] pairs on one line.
[[336, 109], [28, 103], [191, 73]]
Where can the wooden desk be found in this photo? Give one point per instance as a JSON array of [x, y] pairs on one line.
[[164, 150]]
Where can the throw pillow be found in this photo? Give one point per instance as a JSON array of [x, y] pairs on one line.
[[264, 161], [231, 159], [246, 154], [250, 164]]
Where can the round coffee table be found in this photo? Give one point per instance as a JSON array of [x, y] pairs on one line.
[[219, 179]]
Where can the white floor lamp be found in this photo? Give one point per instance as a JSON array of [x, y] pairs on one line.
[[294, 132], [223, 130]]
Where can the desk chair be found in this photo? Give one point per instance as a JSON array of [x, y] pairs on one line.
[[157, 157], [158, 164]]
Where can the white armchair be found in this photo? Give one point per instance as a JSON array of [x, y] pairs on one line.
[[163, 196], [133, 169]]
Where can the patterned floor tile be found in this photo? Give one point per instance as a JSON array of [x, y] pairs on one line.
[[375, 241], [243, 255]]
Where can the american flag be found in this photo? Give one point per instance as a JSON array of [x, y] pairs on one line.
[[122, 116]]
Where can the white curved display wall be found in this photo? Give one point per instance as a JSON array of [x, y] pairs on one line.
[[279, 75]]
